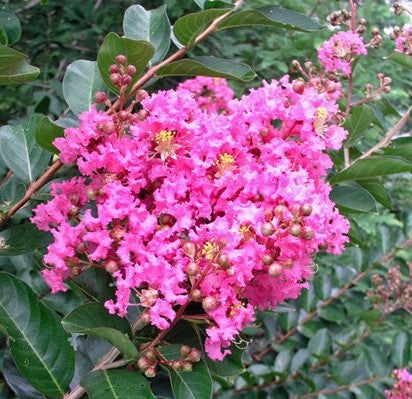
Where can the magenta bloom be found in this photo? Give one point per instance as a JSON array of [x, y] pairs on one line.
[[404, 40], [403, 386]]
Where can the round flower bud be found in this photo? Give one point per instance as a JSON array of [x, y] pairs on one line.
[[108, 127], [176, 365], [113, 68], [141, 95], [295, 230], [306, 209], [209, 303], [268, 214], [115, 78], [275, 270], [74, 210], [81, 248], [75, 271], [387, 89], [307, 233], [151, 355], [192, 269], [150, 372], [100, 97], [223, 261], [267, 259], [288, 263], [145, 318], [184, 350], [267, 229], [295, 210], [264, 132], [196, 295], [194, 356], [143, 363], [187, 366], [167, 220], [121, 59], [298, 86], [142, 114], [131, 70], [190, 249], [90, 193], [279, 211], [111, 266], [126, 79], [375, 31], [387, 80], [362, 21]]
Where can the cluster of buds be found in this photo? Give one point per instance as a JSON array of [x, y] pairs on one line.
[[152, 359], [377, 38], [403, 39], [398, 8], [362, 26], [120, 73], [392, 293], [384, 86], [340, 17]]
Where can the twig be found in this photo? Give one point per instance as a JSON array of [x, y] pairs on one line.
[[259, 356], [33, 188]]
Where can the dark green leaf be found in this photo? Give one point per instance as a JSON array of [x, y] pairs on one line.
[[403, 151], [187, 28], [20, 151], [282, 361], [96, 284], [377, 190], [81, 82], [230, 366], [38, 343], [272, 16], [117, 384], [152, 26], [320, 343], [353, 197], [401, 349], [359, 119], [22, 239], [401, 59], [373, 166], [14, 68], [46, 133], [94, 319], [208, 66], [299, 359], [138, 53], [10, 23]]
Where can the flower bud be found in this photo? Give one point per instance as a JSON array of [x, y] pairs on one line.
[[81, 248], [295, 230], [386, 89], [375, 31], [176, 365], [126, 79], [268, 214], [196, 295], [223, 261], [192, 269], [115, 78], [143, 363], [141, 95], [387, 80], [368, 87], [145, 318], [150, 372], [187, 366], [100, 97], [108, 127], [306, 209], [142, 114], [75, 271], [307, 233], [279, 211], [267, 229], [121, 59], [298, 86], [275, 270], [151, 355], [267, 259], [131, 70], [74, 210], [362, 21], [113, 69], [111, 266], [90, 194], [295, 210], [184, 350], [288, 263], [194, 356], [189, 249], [209, 303]]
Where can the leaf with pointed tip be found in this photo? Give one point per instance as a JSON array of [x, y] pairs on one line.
[[38, 343], [138, 53], [94, 319], [46, 133], [20, 151], [10, 24], [353, 197], [272, 16], [117, 384], [208, 66], [14, 68], [401, 59], [152, 26], [81, 82], [358, 121], [230, 366], [377, 190], [401, 349]]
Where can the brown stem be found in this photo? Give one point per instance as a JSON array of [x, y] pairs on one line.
[[259, 356], [370, 97], [33, 188]]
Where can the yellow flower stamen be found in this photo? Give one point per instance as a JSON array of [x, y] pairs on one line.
[[210, 250]]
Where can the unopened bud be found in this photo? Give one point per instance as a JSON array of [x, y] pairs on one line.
[[264, 132], [267, 229], [387, 80], [150, 372], [267, 259], [143, 363], [279, 211], [121, 59], [362, 21], [131, 70], [75, 271], [380, 76], [223, 261], [115, 78], [194, 356], [190, 249], [151, 355], [306, 209], [167, 220], [307, 233], [91, 194], [288, 263], [81, 248], [275, 270], [187, 366], [296, 230], [111, 266], [375, 31], [114, 68], [298, 86], [100, 97], [176, 365], [268, 214], [184, 350], [196, 295], [126, 79], [74, 210], [386, 89], [145, 318], [295, 210], [368, 87], [209, 303], [141, 95], [142, 114], [192, 269]]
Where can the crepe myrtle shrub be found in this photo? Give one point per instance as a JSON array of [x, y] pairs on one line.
[[176, 217]]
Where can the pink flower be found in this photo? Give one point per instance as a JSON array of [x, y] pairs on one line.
[[404, 40], [403, 385]]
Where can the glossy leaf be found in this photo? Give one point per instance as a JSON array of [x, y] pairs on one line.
[[402, 349], [138, 53], [46, 133], [38, 343], [14, 67], [230, 366], [272, 16], [320, 343], [22, 239], [377, 190], [20, 151], [353, 197], [188, 27], [10, 24], [117, 384], [152, 26], [81, 82], [373, 166], [94, 319], [359, 120], [401, 59], [208, 66], [96, 284]]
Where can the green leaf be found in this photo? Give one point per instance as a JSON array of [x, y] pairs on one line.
[[46, 133], [152, 26], [353, 197], [403, 151], [320, 343], [188, 27], [96, 284], [81, 82], [138, 53], [20, 151], [377, 190], [282, 361], [299, 359], [208, 66], [401, 349], [401, 59], [373, 166], [359, 119], [272, 16], [94, 319], [10, 24], [38, 343], [22, 239], [195, 384], [230, 366], [117, 384], [14, 68]]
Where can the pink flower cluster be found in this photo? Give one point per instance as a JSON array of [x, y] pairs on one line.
[[404, 40], [206, 199], [403, 386], [338, 53]]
